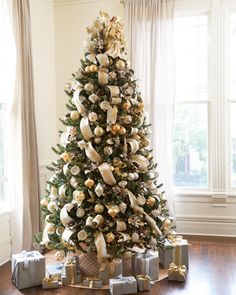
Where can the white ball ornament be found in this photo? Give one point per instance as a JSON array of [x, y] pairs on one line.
[[104, 105], [136, 176], [93, 98], [73, 182], [98, 131], [80, 212], [89, 87], [75, 170], [130, 176], [92, 117], [74, 115]]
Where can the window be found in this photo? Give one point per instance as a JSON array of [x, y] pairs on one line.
[[7, 65], [204, 139], [190, 140]]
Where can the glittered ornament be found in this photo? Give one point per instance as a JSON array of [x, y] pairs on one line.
[[75, 170], [92, 117], [126, 105], [99, 208], [89, 183], [141, 200], [112, 75], [52, 206], [122, 207], [127, 119], [78, 196], [89, 87], [74, 115], [98, 131], [66, 157], [113, 211], [104, 105], [122, 130], [120, 64], [97, 140], [108, 150], [110, 237], [93, 68], [82, 235], [151, 201], [93, 98], [59, 255]]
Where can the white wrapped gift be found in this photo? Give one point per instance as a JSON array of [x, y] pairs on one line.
[[28, 269], [122, 285]]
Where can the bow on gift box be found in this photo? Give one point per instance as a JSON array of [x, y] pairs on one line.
[[177, 270], [52, 278]]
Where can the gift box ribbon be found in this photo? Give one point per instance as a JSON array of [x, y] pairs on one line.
[[123, 281], [177, 270]]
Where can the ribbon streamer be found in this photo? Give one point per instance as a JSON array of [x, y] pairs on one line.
[[103, 59], [66, 220], [62, 191], [114, 91], [140, 160], [85, 128], [107, 175], [112, 114], [134, 145], [45, 239], [66, 236], [92, 154], [102, 78], [77, 101], [116, 100], [91, 57], [101, 247], [134, 205]]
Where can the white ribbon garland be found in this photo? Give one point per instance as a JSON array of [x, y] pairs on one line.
[[101, 246], [112, 114], [103, 59], [66, 220], [134, 145], [102, 78], [107, 175], [141, 161], [85, 128]]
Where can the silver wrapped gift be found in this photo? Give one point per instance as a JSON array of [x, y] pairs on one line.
[[28, 269], [146, 264], [175, 251], [123, 285], [110, 268]]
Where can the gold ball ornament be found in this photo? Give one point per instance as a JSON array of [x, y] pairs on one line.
[[122, 130], [120, 64], [74, 115], [78, 196], [98, 131], [110, 237], [44, 202], [87, 69], [115, 128], [151, 201], [59, 255], [126, 105], [93, 68], [99, 208], [89, 87], [113, 211], [89, 183]]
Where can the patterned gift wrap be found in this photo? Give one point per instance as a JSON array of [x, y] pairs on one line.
[[28, 269], [123, 285]]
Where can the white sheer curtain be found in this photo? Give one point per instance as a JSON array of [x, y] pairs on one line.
[[149, 28], [23, 172]]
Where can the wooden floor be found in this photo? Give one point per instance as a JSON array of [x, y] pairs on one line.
[[212, 272]]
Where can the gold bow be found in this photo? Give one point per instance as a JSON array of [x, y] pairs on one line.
[[177, 270]]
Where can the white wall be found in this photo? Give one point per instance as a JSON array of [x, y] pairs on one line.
[[43, 46], [71, 20]]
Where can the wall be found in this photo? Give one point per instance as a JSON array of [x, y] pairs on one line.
[[71, 20]]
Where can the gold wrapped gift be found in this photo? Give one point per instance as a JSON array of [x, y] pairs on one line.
[[144, 282], [177, 273], [51, 282]]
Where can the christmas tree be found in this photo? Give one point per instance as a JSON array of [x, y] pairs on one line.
[[104, 195]]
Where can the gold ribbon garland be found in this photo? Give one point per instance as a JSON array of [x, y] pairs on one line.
[[140, 160], [177, 270], [112, 114], [101, 247], [103, 59], [102, 78], [106, 173], [85, 128], [66, 220]]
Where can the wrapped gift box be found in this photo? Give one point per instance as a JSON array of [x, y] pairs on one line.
[[71, 274], [146, 264], [110, 268], [51, 282], [175, 251], [144, 283], [28, 269], [177, 273], [93, 283], [123, 285]]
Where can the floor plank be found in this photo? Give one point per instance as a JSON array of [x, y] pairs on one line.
[[212, 272]]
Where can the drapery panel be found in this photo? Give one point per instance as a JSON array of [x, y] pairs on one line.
[[149, 30]]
